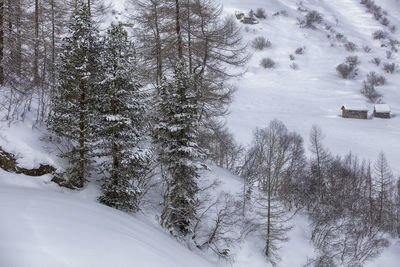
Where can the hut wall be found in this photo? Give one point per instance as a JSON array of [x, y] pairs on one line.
[[382, 115], [355, 114]]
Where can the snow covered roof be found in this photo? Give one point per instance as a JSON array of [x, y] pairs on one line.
[[382, 108], [358, 107]]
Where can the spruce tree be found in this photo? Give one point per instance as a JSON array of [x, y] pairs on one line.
[[176, 134], [121, 127], [72, 101]]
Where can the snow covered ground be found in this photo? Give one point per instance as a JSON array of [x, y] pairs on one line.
[[314, 93], [43, 225]]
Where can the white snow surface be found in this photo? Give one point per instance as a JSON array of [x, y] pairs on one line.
[[382, 108], [46, 226], [315, 93]]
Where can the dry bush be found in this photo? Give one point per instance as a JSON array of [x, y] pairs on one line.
[[260, 43], [267, 63], [294, 66], [312, 18], [367, 49], [375, 79], [369, 92], [376, 60], [389, 67], [350, 46], [379, 34], [260, 13], [348, 69], [389, 54], [300, 50]]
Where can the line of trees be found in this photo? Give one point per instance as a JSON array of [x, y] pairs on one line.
[[125, 111], [353, 205]]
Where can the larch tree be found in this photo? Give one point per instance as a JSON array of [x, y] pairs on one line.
[[197, 32], [121, 124], [277, 158], [72, 102], [383, 181]]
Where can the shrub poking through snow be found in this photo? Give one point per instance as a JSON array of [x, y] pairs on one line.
[[394, 44], [260, 13], [376, 60], [389, 67], [350, 46], [300, 50], [267, 63], [375, 79], [294, 66], [340, 37], [348, 69], [352, 60], [312, 18], [260, 43], [379, 34], [369, 92], [384, 21], [291, 57], [367, 49]]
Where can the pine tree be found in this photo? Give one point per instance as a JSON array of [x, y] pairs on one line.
[[72, 101], [121, 126], [176, 135]]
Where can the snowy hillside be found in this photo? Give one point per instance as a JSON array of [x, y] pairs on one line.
[[314, 93], [44, 225]]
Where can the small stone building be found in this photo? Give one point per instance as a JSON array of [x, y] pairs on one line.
[[249, 20], [354, 112], [382, 111], [239, 14]]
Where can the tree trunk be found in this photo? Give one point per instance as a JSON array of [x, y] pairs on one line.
[[82, 129], [158, 47], [178, 30], [53, 45], [36, 48], [1, 43], [189, 38], [267, 245]]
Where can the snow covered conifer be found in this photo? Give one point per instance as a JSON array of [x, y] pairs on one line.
[[72, 112], [121, 127], [176, 134]]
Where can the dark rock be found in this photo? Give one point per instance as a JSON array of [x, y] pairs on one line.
[[7, 161], [62, 182]]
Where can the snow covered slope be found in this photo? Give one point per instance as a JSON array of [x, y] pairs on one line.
[[44, 228], [314, 93]]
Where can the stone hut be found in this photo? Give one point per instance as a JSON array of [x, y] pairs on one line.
[[354, 112], [382, 111], [239, 14], [248, 20]]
